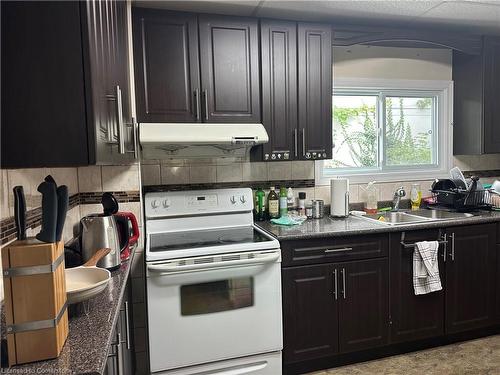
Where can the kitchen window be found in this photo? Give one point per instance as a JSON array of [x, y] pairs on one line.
[[398, 130]]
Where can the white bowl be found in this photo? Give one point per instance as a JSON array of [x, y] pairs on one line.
[[83, 283]]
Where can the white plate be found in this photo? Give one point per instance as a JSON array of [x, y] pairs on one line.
[[83, 283]]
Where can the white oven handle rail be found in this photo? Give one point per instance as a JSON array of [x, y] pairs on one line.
[[244, 370], [168, 269]]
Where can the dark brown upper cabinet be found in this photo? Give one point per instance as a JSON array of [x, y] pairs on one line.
[[315, 91], [176, 83], [296, 61], [65, 93], [279, 89], [167, 70], [229, 57], [476, 92]]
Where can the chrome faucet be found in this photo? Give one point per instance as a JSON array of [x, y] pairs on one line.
[[396, 200]]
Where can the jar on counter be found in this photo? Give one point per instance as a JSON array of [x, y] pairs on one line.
[[302, 204], [318, 207], [309, 210]]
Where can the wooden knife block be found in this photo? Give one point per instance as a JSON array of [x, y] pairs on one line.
[[35, 303]]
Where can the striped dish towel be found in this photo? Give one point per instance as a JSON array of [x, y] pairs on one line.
[[426, 268]]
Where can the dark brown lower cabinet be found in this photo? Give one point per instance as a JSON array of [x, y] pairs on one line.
[[364, 304], [121, 351], [354, 308], [470, 277], [334, 308], [413, 317], [310, 313]]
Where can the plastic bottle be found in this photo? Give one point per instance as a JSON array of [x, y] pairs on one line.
[[260, 214], [371, 198], [302, 203], [290, 199], [273, 205], [283, 202], [415, 196]]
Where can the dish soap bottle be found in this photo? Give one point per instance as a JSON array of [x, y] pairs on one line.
[[273, 205], [283, 202], [415, 197]]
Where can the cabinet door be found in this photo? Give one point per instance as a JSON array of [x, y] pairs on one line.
[[491, 94], [310, 313], [279, 89], [413, 317], [364, 304], [43, 90], [166, 66], [125, 326], [315, 90], [470, 277], [229, 55], [101, 92]]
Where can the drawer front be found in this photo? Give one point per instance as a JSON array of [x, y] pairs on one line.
[[327, 250]]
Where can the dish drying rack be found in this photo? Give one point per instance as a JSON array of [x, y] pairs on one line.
[[463, 200]]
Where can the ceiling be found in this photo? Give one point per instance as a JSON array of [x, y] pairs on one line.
[[466, 16]]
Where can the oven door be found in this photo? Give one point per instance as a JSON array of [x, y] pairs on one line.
[[213, 308]]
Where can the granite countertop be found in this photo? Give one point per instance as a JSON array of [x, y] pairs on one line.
[[337, 227], [90, 332]]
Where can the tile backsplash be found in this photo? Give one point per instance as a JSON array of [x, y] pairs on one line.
[[124, 180], [223, 171]]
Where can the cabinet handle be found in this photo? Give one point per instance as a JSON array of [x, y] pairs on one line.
[[197, 101], [303, 142], [343, 283], [335, 284], [127, 324], [452, 247], [119, 115], [295, 142], [205, 94], [135, 129], [445, 246], [337, 250], [120, 355]]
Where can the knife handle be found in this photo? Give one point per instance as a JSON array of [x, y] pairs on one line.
[[62, 209], [49, 212], [20, 212]]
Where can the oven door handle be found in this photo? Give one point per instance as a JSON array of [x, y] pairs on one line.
[[237, 370], [163, 268]]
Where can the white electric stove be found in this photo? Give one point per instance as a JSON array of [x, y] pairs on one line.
[[213, 285]]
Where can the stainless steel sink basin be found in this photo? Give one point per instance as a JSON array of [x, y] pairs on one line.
[[414, 217], [440, 215], [395, 218]]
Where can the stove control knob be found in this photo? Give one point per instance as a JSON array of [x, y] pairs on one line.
[[154, 204], [242, 199], [166, 203], [233, 199]]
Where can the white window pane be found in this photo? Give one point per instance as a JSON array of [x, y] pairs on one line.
[[409, 131], [355, 143]]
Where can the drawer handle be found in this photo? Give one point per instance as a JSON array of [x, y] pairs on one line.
[[327, 251]]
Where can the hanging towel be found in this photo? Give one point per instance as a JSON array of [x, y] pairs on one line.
[[426, 268]]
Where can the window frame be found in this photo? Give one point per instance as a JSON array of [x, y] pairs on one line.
[[442, 90]]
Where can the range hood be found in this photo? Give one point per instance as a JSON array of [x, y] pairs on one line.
[[195, 140]]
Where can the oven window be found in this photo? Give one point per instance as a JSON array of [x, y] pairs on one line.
[[215, 296]]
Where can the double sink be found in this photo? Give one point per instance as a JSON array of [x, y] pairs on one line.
[[415, 217]]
